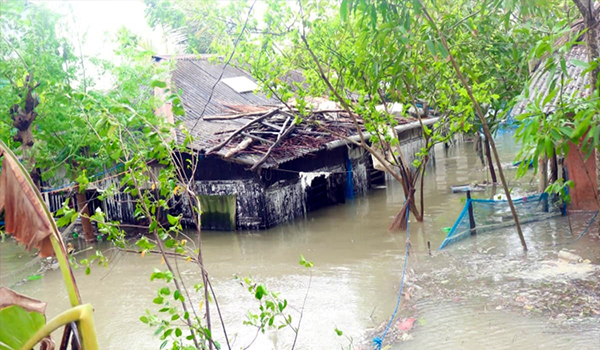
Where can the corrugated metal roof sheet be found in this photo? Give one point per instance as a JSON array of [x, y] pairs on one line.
[[196, 76], [576, 84]]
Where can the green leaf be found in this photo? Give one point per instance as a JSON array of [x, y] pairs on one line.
[[17, 325], [144, 319], [442, 50], [338, 332], [158, 84], [549, 147], [170, 243], [176, 295], [172, 219], [34, 277], [260, 292], [344, 10], [431, 46], [581, 128], [417, 7], [580, 63]]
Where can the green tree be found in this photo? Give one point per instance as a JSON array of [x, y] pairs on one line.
[[184, 22]]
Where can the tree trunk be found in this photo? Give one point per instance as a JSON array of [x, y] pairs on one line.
[[422, 187], [543, 169], [598, 189], [86, 224], [23, 117], [479, 149], [554, 169], [586, 8], [488, 155]]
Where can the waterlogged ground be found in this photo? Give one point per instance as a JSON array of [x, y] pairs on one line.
[[481, 293], [500, 298]]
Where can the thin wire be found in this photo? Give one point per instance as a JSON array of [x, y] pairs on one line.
[[379, 340], [212, 91], [71, 185]]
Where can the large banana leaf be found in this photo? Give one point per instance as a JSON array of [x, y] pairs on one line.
[[26, 220], [20, 318], [30, 222], [17, 325]]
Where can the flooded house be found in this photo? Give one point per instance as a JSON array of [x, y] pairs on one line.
[[256, 167]]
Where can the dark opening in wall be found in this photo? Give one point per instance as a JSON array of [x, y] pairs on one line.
[[93, 201], [317, 193], [376, 177]]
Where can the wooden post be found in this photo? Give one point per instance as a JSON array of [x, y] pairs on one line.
[[488, 155], [86, 224], [471, 217], [543, 184]]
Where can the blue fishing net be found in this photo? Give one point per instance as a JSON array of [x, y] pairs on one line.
[[491, 214]]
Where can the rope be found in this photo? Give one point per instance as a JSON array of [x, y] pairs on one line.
[[74, 184], [71, 186], [378, 341]]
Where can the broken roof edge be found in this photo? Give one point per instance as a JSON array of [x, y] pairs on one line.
[[184, 57], [327, 146], [400, 128]]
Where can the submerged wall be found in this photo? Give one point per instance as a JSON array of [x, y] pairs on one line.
[[250, 199]]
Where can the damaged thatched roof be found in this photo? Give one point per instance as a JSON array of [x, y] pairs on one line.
[[273, 134], [247, 127], [576, 84]]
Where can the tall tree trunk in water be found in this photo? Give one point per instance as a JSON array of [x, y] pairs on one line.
[[589, 14], [488, 155], [425, 160], [86, 224]]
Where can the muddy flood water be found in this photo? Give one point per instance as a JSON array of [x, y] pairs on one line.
[[480, 293]]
